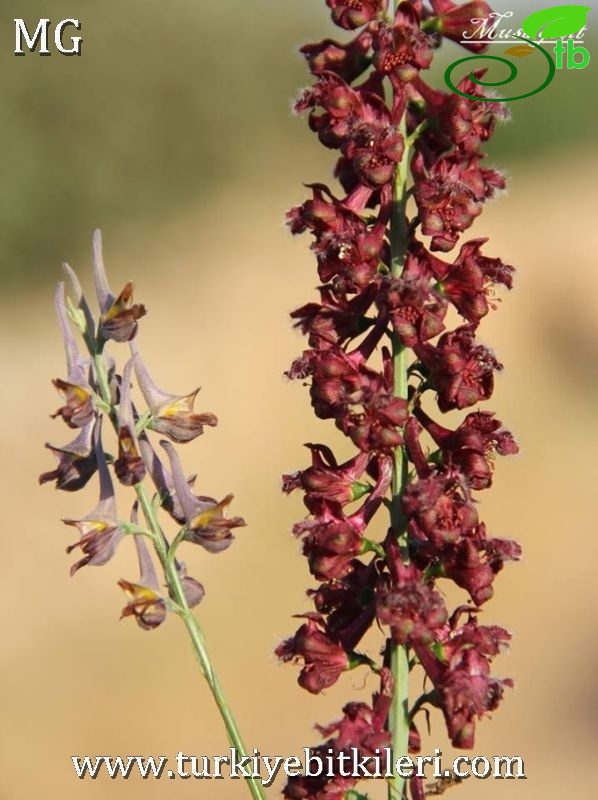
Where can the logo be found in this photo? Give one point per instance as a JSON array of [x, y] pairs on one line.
[[558, 28]]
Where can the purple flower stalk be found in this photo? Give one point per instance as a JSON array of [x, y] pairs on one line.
[[98, 399], [383, 348]]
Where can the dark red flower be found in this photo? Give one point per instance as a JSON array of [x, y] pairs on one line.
[[324, 659], [362, 727], [349, 603], [455, 127], [340, 107], [330, 546], [346, 248], [375, 148], [466, 690], [401, 50], [414, 610], [462, 23], [363, 730], [462, 371], [447, 201], [336, 319], [350, 14], [439, 509], [473, 563], [472, 446], [416, 309], [332, 540], [319, 787], [348, 61], [327, 480], [469, 282], [459, 668]]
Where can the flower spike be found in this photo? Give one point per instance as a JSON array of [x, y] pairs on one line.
[[97, 394], [381, 349]]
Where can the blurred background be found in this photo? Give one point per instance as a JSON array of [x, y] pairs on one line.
[[172, 133]]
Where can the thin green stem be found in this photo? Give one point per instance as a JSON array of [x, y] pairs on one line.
[[399, 656], [177, 594]]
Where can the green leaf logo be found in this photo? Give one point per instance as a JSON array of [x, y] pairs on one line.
[[555, 22]]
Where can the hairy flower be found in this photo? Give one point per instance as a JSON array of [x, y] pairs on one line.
[[464, 688], [327, 480], [473, 445], [348, 251], [413, 609], [450, 195], [351, 14], [348, 603], [347, 61], [461, 371], [324, 659], [401, 50], [439, 509]]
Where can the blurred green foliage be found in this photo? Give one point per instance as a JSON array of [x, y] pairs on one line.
[[169, 103]]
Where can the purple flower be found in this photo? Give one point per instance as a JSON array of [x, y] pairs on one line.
[[206, 522], [172, 415], [118, 320], [77, 461], [129, 466], [100, 530]]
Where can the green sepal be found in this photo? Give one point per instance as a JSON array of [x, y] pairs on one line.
[[438, 649], [358, 490], [368, 546]]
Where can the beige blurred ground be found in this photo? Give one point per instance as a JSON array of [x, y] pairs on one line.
[[218, 285]]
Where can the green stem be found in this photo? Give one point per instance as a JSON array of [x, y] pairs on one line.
[[177, 593], [399, 656]]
